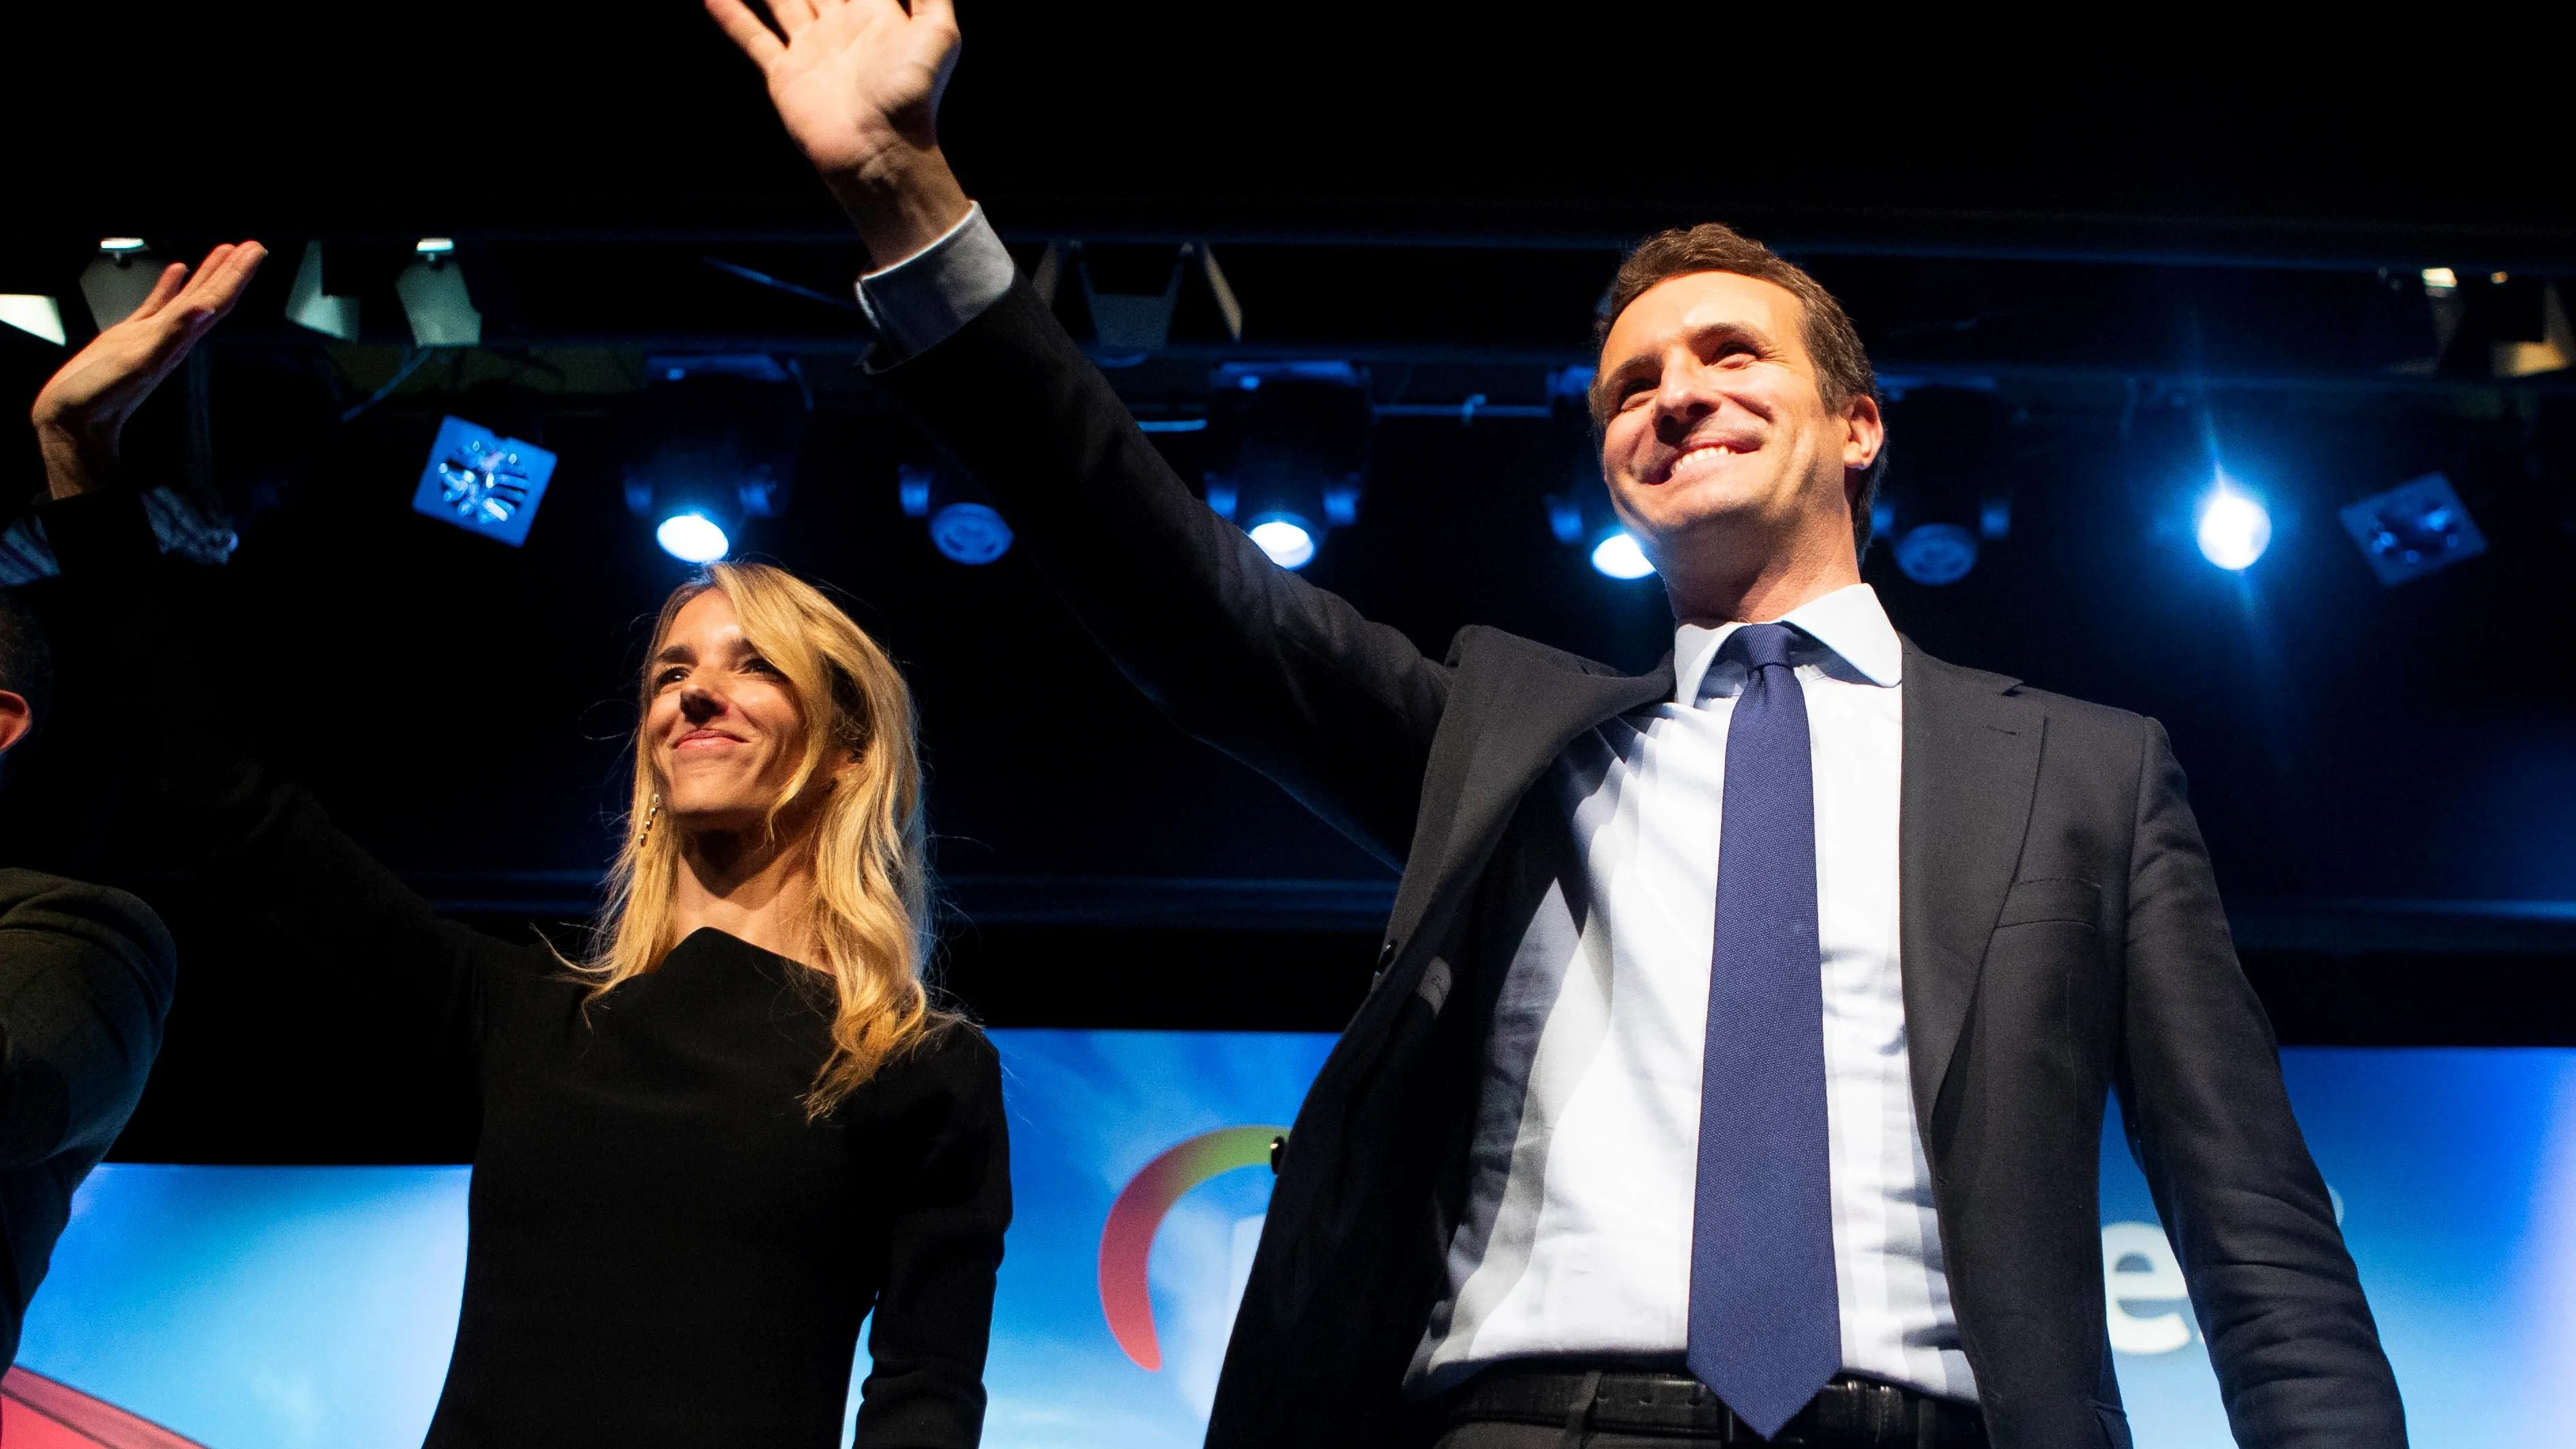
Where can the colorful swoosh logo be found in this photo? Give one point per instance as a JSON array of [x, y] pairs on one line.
[[1128, 1239], [40, 1413]]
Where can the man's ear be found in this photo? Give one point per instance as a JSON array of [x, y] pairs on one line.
[[1864, 432], [15, 718]]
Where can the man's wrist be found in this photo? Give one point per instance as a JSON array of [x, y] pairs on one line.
[[73, 464], [901, 204]]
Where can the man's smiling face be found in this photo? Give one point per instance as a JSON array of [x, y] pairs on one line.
[[1716, 430]]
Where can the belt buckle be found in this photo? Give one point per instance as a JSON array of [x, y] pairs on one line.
[[1860, 1407]]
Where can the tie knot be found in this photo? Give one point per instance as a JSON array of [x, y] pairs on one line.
[[1764, 644]]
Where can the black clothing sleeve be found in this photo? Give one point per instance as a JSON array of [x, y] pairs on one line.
[[258, 837], [85, 983], [1245, 655], [2291, 1337], [934, 1316], [85, 980]]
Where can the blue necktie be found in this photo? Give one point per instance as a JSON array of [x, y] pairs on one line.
[[1765, 1324]]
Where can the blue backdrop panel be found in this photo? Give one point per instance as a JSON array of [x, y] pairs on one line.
[[2456, 1174], [289, 1307]]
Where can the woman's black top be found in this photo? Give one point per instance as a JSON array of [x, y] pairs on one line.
[[662, 1248]]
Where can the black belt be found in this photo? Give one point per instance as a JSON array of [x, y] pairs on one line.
[[1849, 1411]]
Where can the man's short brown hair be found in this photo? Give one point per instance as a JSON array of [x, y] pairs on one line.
[[1842, 364]]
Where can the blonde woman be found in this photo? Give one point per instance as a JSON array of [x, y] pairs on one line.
[[712, 1148]]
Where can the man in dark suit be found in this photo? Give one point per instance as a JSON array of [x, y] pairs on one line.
[[1738, 1055]]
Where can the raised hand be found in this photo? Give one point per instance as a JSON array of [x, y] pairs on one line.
[[857, 83], [80, 415]]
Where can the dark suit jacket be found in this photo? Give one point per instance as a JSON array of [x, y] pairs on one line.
[[2061, 939]]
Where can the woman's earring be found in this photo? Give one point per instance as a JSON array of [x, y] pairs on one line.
[[650, 816]]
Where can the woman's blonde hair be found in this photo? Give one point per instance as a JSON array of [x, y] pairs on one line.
[[871, 912]]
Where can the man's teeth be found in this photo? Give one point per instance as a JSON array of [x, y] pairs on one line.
[[1709, 450]]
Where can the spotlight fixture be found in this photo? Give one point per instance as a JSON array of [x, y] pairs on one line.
[[1947, 493], [2232, 528], [1134, 293], [963, 526], [2413, 529], [692, 538], [483, 483], [970, 533], [1936, 553], [1290, 450], [2496, 325], [118, 279], [1286, 539], [714, 440], [434, 300], [34, 314], [1619, 557], [307, 305], [1579, 515]]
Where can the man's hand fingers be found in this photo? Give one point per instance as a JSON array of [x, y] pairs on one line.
[[205, 274], [209, 294], [792, 16], [941, 14], [164, 287], [748, 31], [938, 18], [221, 284]]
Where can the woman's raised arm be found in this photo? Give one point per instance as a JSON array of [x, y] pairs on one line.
[[157, 636]]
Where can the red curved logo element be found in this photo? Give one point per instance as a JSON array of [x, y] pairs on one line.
[[39, 1413], [1129, 1237]]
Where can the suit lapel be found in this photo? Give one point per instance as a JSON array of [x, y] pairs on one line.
[[1970, 768], [1513, 716]]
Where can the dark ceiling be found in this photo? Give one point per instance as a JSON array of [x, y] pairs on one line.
[[2166, 138]]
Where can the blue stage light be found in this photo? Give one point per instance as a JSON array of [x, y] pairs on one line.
[[1565, 518], [970, 533], [2232, 528], [2412, 529], [1936, 553], [482, 482], [1287, 452], [692, 538], [1618, 556], [1289, 541], [913, 483]]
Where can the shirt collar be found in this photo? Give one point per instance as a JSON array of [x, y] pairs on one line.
[[1848, 622]]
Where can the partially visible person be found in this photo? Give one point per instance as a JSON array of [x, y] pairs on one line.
[[85, 981], [739, 1125]]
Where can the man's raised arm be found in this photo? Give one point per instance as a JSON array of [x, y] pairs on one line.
[[1282, 675]]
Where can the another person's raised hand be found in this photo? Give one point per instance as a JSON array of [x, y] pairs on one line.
[[857, 83], [80, 415]]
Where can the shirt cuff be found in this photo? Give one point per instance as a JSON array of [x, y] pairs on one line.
[[920, 301]]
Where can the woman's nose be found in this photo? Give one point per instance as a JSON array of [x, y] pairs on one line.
[[697, 706]]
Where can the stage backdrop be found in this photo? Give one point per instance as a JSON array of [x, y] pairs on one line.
[[274, 1308]]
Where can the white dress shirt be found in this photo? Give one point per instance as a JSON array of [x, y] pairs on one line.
[[1577, 1235], [1576, 1239]]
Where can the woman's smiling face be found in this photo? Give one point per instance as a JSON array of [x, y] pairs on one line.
[[723, 725]]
